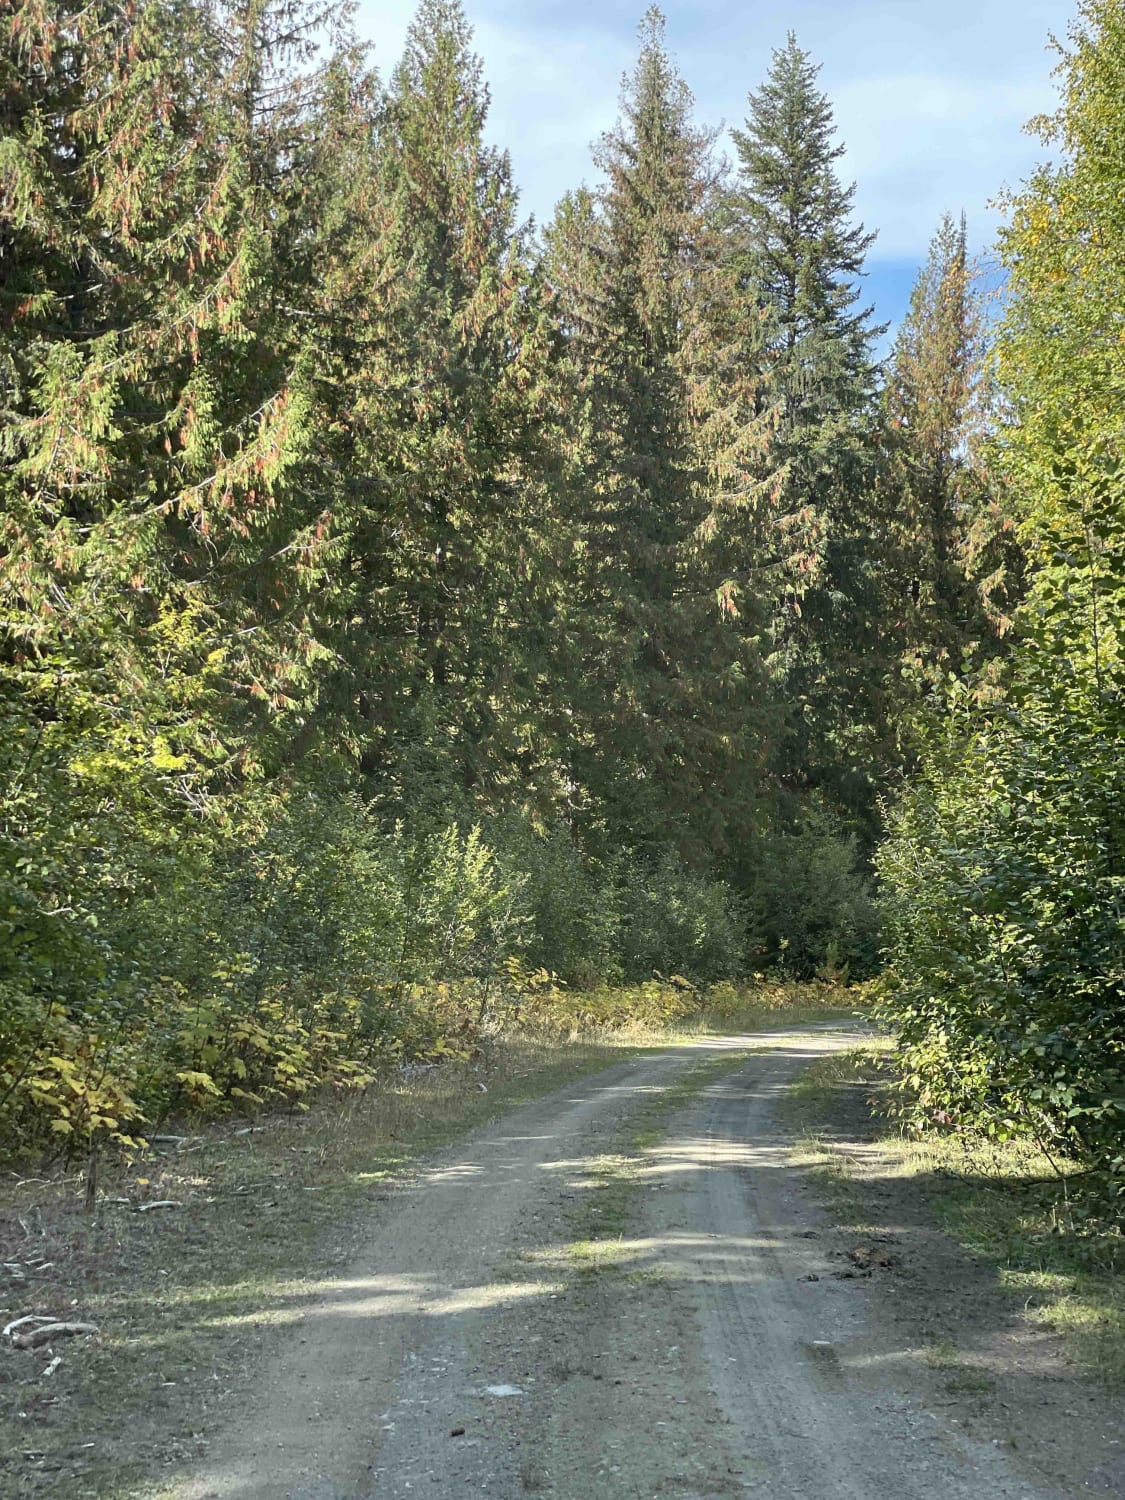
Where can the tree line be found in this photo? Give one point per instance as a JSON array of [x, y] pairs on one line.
[[1003, 870], [403, 605]]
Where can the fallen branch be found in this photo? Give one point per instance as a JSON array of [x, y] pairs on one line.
[[10, 1329], [144, 1208], [48, 1331], [1006, 1185]]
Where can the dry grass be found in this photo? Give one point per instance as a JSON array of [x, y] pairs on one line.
[[186, 1296], [771, 1007]]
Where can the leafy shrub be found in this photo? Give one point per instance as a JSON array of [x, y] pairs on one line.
[[1004, 880], [572, 926], [609, 1008], [626, 919], [235, 958], [672, 920], [171, 945]]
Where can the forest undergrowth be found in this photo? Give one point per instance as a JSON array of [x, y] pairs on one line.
[[423, 631]]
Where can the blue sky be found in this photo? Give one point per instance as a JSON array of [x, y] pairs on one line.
[[930, 100]]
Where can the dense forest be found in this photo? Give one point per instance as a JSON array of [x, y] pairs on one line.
[[411, 614]]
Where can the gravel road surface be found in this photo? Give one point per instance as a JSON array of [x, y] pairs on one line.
[[721, 1345]]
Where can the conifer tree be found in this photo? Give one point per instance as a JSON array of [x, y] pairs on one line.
[[450, 539], [957, 556], [156, 421], [1003, 870], [159, 499], [797, 257], [801, 253], [108, 286], [146, 499], [667, 693]]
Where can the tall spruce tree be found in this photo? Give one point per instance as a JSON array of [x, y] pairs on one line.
[[450, 545], [162, 496], [668, 704], [153, 540], [801, 252], [797, 257]]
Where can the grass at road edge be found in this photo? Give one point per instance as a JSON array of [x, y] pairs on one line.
[[988, 1196], [187, 1298]]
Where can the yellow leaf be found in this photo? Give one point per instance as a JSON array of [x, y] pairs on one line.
[[196, 1080]]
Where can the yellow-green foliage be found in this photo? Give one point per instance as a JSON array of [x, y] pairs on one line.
[[296, 773], [76, 1085], [667, 1003], [1003, 873]]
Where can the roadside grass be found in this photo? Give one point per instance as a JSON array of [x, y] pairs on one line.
[[186, 1297], [775, 1006], [1000, 1201]]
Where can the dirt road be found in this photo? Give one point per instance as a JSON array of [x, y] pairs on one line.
[[487, 1340]]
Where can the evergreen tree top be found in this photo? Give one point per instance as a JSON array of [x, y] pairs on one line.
[[439, 49], [653, 95], [656, 121], [657, 167], [453, 190], [796, 213], [938, 342]]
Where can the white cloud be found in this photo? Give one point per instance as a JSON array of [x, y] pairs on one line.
[[919, 144], [930, 100], [384, 23], [550, 99]]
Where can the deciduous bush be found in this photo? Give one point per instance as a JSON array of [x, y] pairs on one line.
[[233, 956], [1003, 886], [673, 920]]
